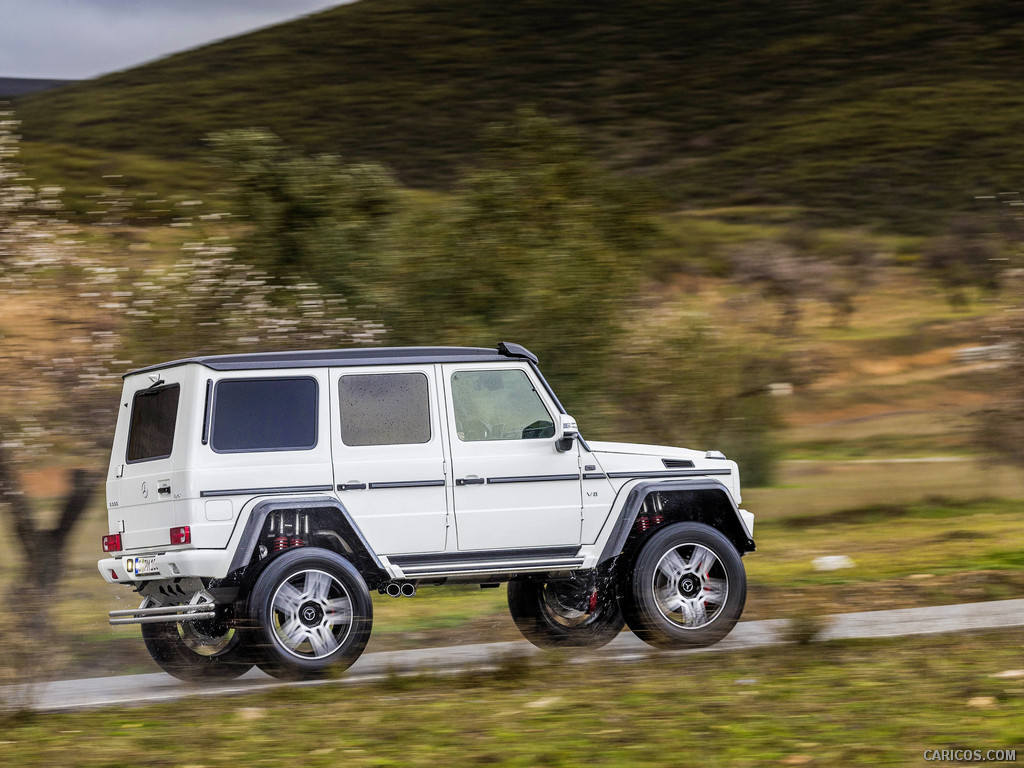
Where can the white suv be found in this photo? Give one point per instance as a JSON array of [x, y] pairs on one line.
[[255, 500]]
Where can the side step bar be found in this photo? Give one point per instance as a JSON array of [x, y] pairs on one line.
[[148, 613]]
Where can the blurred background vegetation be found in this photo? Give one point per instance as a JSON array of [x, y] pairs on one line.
[[790, 232]]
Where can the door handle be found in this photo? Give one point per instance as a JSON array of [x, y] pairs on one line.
[[470, 481]]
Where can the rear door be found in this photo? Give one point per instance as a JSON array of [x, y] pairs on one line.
[[141, 506], [389, 457]]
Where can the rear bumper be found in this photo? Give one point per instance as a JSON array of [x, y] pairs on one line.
[[203, 563]]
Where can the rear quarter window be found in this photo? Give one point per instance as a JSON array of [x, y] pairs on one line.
[[151, 432], [264, 415]]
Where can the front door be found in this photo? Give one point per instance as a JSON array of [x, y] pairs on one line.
[[513, 489]]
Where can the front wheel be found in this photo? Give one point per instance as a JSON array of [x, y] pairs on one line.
[[310, 609], [687, 587], [567, 613], [196, 651]]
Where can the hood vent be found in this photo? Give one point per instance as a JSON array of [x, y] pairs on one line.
[[677, 463]]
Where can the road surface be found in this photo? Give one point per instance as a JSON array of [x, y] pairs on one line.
[[149, 688]]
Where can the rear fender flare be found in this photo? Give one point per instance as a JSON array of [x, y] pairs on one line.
[[339, 525]]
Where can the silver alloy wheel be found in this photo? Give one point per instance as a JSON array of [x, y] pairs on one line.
[[560, 610], [198, 641], [312, 614], [690, 586]]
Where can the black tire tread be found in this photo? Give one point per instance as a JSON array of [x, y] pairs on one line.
[[638, 608], [525, 602]]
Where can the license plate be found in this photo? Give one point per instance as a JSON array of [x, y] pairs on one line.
[[141, 566]]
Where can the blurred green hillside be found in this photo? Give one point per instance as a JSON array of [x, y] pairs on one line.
[[855, 111]]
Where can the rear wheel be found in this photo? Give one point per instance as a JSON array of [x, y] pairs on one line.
[[567, 613], [686, 587], [311, 610], [196, 651]]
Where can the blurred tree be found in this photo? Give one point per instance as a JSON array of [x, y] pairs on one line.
[[536, 245], [835, 274], [59, 392], [965, 257], [50, 388], [209, 302], [312, 217], [678, 380], [780, 275]]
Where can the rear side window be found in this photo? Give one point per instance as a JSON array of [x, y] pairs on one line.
[[384, 409], [151, 432], [264, 415]]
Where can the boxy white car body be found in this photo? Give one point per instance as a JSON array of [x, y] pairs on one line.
[[419, 465], [405, 507]]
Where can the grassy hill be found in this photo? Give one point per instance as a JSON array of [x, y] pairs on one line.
[[859, 111]]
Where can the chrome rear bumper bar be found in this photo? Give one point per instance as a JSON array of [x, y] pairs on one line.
[[149, 613]]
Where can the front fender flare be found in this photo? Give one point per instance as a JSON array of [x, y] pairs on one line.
[[702, 486]]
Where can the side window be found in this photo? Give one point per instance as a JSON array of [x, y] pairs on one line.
[[384, 409], [264, 415], [498, 405], [151, 432]]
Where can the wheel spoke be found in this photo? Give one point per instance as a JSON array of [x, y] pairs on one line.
[[715, 591], [701, 561], [672, 565], [318, 586], [322, 640], [292, 632], [339, 611], [698, 612], [671, 601], [287, 600]]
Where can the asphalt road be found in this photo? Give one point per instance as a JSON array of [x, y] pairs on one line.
[[133, 690]]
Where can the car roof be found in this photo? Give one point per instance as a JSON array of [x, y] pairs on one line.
[[331, 358]]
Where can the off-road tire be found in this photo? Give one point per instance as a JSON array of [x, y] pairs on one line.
[[222, 658], [309, 610], [686, 587], [557, 614]]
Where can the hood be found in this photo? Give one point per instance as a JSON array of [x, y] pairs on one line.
[[617, 459], [641, 449]]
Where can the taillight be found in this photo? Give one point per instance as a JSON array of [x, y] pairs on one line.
[[112, 543], [181, 535]]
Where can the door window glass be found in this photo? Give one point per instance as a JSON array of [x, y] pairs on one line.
[[498, 405], [384, 409], [151, 433], [264, 415]]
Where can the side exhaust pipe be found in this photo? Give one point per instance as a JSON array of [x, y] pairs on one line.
[[398, 589]]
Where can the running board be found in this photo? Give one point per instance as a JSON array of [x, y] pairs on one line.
[[491, 566]]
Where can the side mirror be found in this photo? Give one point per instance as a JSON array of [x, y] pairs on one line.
[[565, 433]]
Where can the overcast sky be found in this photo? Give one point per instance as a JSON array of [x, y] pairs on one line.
[[83, 38]]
